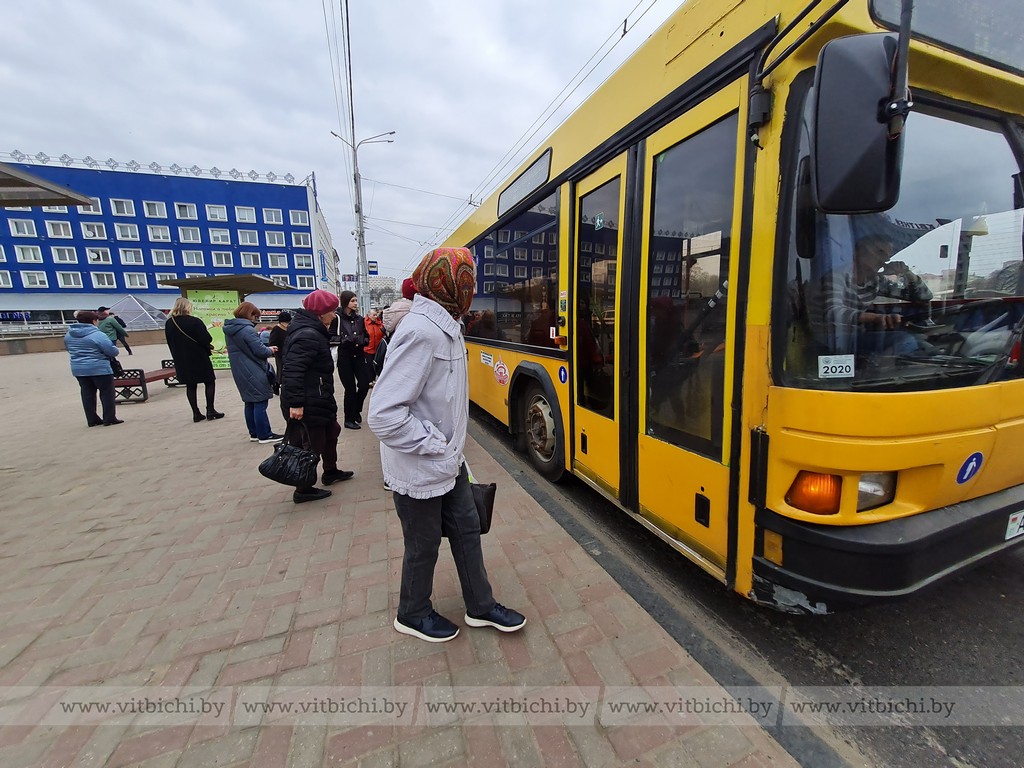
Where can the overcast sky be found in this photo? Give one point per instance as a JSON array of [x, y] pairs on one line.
[[250, 84]]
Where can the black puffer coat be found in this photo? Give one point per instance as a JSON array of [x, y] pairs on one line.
[[307, 379]]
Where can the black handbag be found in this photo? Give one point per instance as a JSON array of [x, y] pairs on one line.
[[483, 497], [291, 464]]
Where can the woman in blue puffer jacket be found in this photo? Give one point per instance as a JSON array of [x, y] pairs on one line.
[[91, 353], [251, 371]]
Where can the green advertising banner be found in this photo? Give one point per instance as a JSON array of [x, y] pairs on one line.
[[213, 307]]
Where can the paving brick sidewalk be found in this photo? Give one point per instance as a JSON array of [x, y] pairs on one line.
[[151, 555]]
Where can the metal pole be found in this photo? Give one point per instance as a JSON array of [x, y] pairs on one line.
[[362, 270]]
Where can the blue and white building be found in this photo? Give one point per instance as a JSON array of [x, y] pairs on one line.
[[150, 224]]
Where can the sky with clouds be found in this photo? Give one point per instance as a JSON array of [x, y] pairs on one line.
[[252, 84]]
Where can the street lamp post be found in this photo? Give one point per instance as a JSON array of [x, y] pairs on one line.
[[361, 265]]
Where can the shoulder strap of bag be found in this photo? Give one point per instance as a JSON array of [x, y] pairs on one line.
[[175, 321]]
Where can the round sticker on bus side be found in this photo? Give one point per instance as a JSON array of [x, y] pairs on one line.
[[563, 374], [969, 468], [501, 372]]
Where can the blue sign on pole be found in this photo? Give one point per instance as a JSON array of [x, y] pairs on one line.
[[371, 267]]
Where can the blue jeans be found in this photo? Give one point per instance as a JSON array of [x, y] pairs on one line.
[[424, 521], [256, 419]]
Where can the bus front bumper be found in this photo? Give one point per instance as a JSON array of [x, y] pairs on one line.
[[826, 568]]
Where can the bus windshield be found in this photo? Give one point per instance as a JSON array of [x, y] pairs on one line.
[[988, 30], [928, 295]]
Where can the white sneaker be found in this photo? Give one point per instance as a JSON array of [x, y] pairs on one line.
[[253, 439]]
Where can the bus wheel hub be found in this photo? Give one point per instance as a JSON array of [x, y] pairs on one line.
[[541, 428]]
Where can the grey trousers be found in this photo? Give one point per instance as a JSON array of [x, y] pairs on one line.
[[424, 522]]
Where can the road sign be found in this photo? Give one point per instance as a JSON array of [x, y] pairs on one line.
[[371, 267]]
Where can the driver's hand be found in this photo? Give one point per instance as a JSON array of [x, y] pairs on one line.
[[295, 413], [881, 320], [896, 268]]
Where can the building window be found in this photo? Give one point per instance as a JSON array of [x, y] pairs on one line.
[[122, 207], [159, 233], [245, 214], [502, 270], [305, 282], [281, 280], [251, 260], [275, 239], [96, 207], [520, 271], [220, 236], [223, 259], [127, 231], [163, 277], [22, 227], [248, 237], [3, 256], [59, 229], [217, 212], [303, 260], [31, 254], [131, 256], [488, 269], [97, 231], [189, 235], [69, 279], [538, 254], [272, 216], [63, 254], [136, 280], [192, 258], [5, 280], [195, 274], [277, 260], [488, 287], [299, 218], [519, 254], [154, 209], [185, 210], [34, 280], [55, 208], [300, 239], [103, 280], [97, 255], [162, 258]]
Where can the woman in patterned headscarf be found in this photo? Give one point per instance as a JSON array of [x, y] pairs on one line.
[[420, 410]]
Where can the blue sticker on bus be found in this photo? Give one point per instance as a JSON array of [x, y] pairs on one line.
[[563, 374], [969, 468]]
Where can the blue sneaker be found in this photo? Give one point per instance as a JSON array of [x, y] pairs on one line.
[[434, 628], [501, 618]]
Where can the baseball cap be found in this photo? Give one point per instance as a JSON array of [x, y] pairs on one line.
[[103, 309]]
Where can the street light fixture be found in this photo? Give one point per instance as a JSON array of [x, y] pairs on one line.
[[361, 265]]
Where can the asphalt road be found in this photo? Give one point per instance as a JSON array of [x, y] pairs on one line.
[[966, 631]]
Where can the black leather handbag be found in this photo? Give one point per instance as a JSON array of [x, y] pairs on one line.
[[291, 464], [483, 497]]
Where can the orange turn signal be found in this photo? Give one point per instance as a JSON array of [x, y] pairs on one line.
[[815, 492]]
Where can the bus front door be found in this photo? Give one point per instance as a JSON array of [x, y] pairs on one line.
[[600, 203], [691, 225]]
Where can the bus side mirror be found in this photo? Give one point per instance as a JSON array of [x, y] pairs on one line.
[[856, 166]]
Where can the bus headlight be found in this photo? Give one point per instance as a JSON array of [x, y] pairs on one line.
[[815, 492], [875, 489]]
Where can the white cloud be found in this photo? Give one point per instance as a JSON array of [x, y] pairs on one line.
[[248, 84]]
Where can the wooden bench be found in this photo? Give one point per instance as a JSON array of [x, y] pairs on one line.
[[130, 386]]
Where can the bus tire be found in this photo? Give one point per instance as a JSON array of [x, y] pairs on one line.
[[541, 434]]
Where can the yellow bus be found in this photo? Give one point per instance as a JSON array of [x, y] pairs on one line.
[[763, 290]]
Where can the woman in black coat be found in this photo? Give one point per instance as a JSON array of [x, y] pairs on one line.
[[191, 346], [307, 386], [349, 333]]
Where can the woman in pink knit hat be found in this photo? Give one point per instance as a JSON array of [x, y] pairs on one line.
[[307, 386]]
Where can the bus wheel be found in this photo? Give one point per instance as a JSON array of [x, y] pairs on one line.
[[542, 444]]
